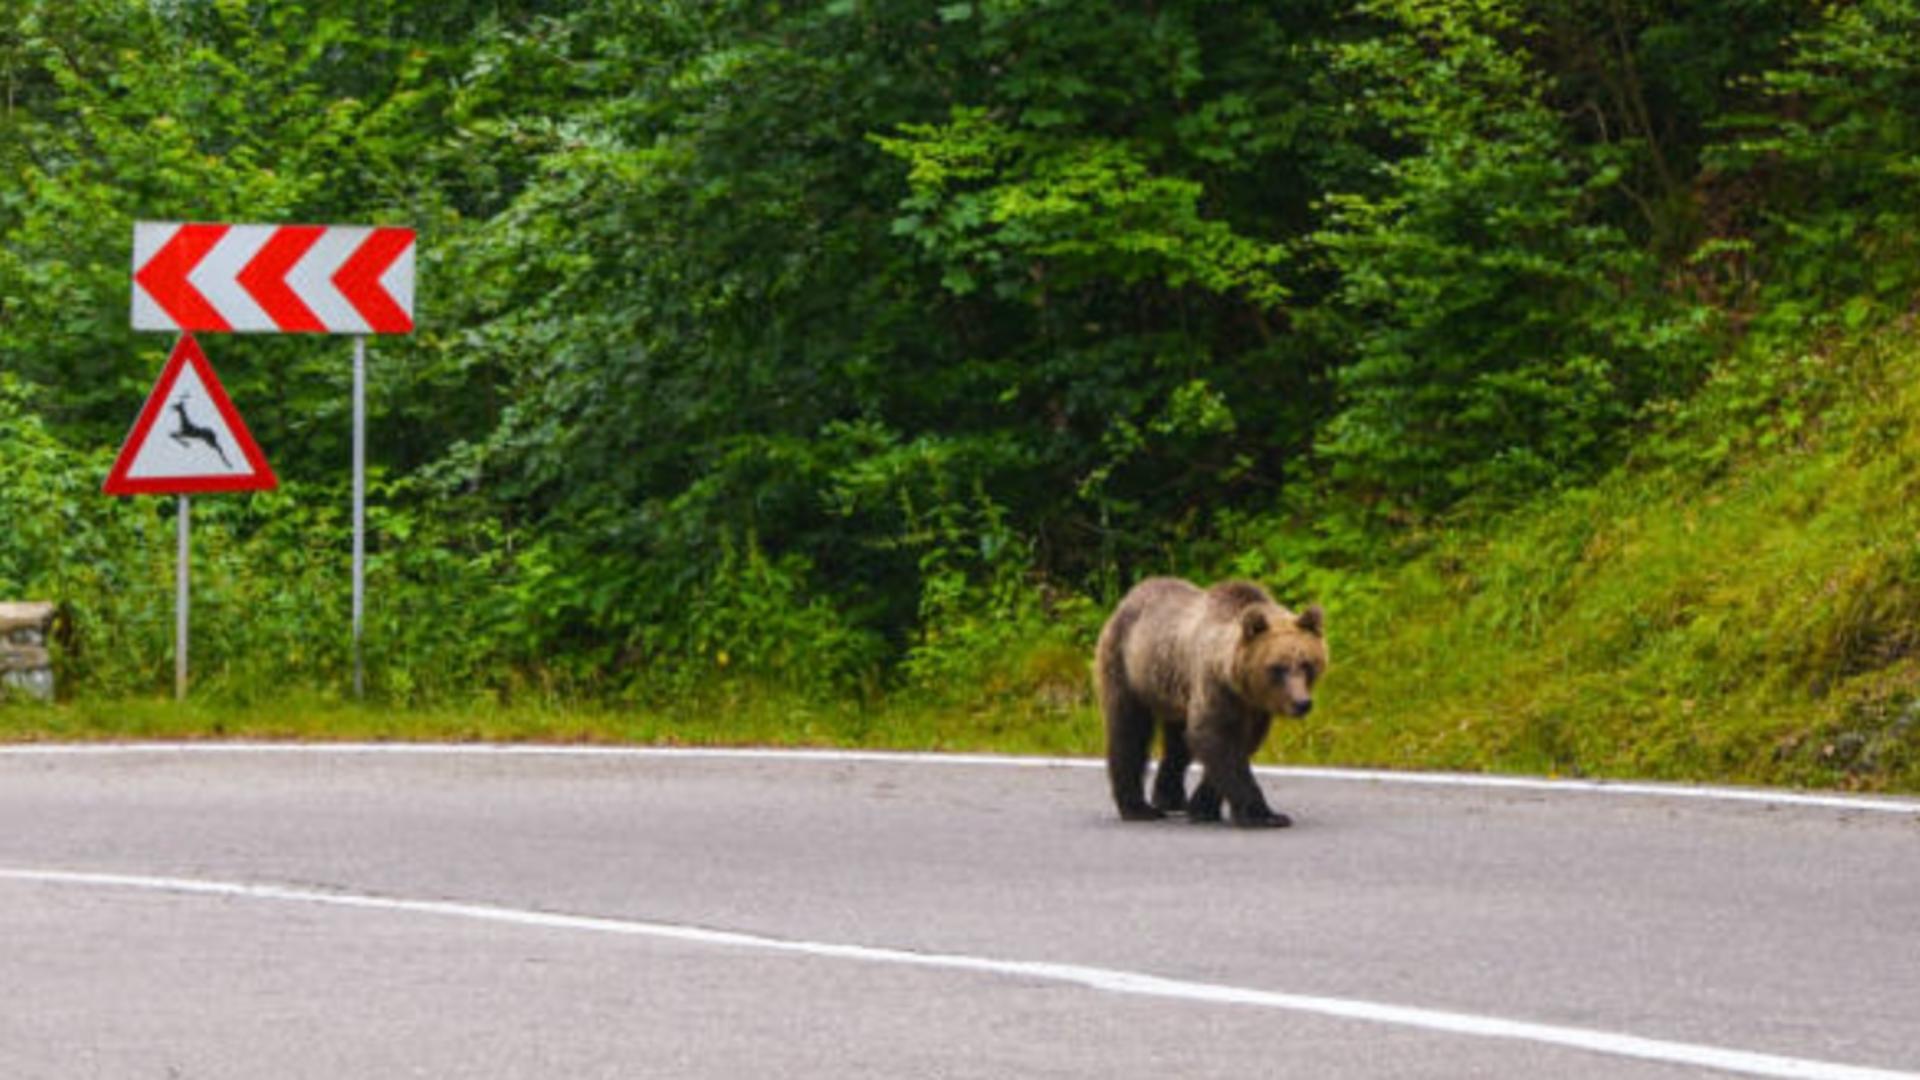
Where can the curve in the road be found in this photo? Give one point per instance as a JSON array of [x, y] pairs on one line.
[[1107, 980]]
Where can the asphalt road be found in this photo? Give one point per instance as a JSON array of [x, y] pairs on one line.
[[492, 915]]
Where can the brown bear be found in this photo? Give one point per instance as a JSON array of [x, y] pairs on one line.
[[1209, 668]]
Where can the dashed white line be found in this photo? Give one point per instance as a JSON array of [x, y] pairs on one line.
[[1555, 786], [1106, 980]]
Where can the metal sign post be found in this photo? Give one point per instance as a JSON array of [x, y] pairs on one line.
[[180, 593], [359, 511]]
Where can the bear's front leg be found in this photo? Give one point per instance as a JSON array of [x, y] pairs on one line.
[[1229, 773], [1204, 804], [1252, 812], [1259, 814]]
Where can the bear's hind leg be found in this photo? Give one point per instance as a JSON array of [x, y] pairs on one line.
[[1170, 780], [1129, 743]]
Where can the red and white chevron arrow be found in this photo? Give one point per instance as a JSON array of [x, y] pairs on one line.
[[272, 279]]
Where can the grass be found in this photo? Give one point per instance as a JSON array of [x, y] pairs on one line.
[[748, 720]]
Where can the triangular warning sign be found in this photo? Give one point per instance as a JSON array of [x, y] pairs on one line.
[[189, 439]]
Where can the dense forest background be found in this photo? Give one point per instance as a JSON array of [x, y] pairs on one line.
[[862, 350]]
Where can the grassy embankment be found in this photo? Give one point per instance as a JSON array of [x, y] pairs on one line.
[[1739, 603]]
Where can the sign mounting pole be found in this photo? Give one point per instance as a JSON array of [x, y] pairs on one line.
[[180, 605], [359, 510]]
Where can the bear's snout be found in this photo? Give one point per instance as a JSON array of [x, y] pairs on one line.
[[1302, 708]]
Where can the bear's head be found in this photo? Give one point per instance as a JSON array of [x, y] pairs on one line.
[[1281, 655]]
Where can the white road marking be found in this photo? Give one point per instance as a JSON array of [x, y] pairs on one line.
[[1107, 980], [1762, 796]]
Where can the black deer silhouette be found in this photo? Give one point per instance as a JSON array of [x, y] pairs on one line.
[[191, 430]]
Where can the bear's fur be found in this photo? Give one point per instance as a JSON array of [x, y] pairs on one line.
[[1209, 668]]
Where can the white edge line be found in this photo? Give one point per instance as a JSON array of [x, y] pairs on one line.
[[1108, 980], [1622, 788]]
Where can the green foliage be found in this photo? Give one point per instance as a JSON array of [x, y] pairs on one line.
[[1505, 332], [988, 629], [64, 542], [1837, 157], [758, 619], [1032, 213], [808, 313]]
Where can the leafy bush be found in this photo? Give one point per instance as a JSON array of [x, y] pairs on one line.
[[1504, 331], [1835, 159]]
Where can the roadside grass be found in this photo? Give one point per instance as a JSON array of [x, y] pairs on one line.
[[1742, 610], [727, 720]]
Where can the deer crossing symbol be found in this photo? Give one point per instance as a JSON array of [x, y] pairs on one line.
[[190, 430]]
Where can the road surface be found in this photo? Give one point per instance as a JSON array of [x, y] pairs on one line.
[[192, 913]]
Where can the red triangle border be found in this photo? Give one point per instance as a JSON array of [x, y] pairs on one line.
[[260, 476]]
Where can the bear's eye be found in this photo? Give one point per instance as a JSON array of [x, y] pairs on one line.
[[1309, 671], [1277, 673]]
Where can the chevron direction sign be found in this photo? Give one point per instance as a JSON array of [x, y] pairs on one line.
[[272, 279]]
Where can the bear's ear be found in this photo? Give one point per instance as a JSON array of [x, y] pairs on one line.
[[1313, 620], [1252, 624]]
